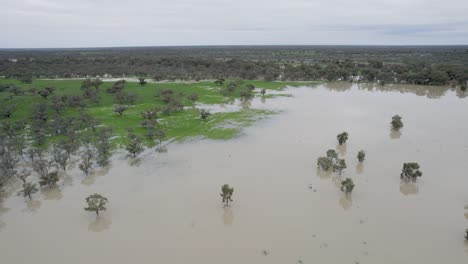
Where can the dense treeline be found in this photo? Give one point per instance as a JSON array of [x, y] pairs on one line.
[[416, 65]]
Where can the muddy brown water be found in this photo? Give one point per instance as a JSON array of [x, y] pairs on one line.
[[166, 208]]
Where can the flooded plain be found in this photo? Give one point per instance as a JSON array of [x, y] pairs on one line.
[[166, 207]]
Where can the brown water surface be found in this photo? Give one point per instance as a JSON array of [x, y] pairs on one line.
[[166, 207]]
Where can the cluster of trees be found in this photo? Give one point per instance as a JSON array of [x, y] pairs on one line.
[[47, 161], [80, 136], [333, 162], [422, 65]]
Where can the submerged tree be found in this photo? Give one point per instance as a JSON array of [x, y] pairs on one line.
[[339, 165], [396, 122], [324, 163], [347, 186], [41, 165], [96, 203], [361, 156], [23, 174], [28, 190], [342, 138], [49, 179], [204, 114], [466, 235], [263, 92], [226, 194], [331, 153], [103, 146], [87, 156], [60, 156], [410, 171]]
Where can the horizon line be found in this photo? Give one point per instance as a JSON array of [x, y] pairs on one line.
[[238, 45]]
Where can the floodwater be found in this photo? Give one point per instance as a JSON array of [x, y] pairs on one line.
[[166, 208]]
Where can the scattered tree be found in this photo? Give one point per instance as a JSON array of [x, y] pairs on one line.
[[120, 109], [410, 171], [96, 203], [8, 110], [57, 104], [125, 98], [193, 97], [142, 81], [347, 186], [396, 122], [117, 86], [44, 93], [226, 194], [204, 114], [89, 121], [361, 156], [150, 114], [219, 82], [342, 138]]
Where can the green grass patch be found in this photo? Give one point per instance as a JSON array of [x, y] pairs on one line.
[[178, 125]]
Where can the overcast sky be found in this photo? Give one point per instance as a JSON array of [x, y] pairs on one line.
[[103, 23]]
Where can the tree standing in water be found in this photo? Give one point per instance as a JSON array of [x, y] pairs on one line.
[[342, 138], [226, 194], [324, 163], [134, 146], [96, 203], [396, 122], [347, 186], [28, 190], [339, 166], [410, 172], [361, 156]]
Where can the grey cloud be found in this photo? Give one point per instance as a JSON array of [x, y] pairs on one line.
[[74, 23]]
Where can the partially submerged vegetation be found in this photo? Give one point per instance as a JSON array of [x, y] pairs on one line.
[[410, 172], [347, 186], [96, 203], [396, 122], [342, 138], [361, 156], [56, 109], [226, 194], [45, 123]]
